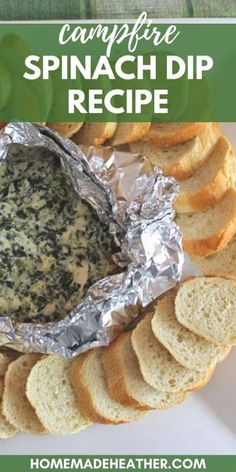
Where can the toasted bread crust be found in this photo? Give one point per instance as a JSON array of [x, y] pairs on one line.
[[82, 392], [137, 131], [198, 362], [186, 168], [164, 135], [116, 384], [210, 244], [224, 355], [106, 131], [220, 265], [208, 195], [203, 383], [65, 129], [84, 397], [205, 197], [189, 163], [48, 389], [138, 350], [6, 429], [33, 424]]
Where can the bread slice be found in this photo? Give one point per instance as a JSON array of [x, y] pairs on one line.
[[4, 362], [207, 306], [221, 263], [89, 382], [125, 382], [189, 349], [65, 129], [209, 231], [169, 134], [181, 160], [16, 407], [129, 132], [6, 429], [6, 357], [50, 392], [95, 134], [209, 183], [225, 353], [158, 367]]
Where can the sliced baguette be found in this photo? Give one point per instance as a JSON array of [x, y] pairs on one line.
[[50, 392], [158, 367], [129, 132], [89, 382], [225, 353], [209, 231], [4, 362], [221, 263], [16, 407], [207, 306], [189, 349], [209, 183], [170, 134], [6, 357], [6, 429], [95, 134], [66, 130], [182, 160], [125, 382]]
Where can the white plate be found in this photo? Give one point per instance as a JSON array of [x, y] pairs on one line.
[[204, 424]]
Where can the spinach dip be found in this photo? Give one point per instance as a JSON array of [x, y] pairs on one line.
[[52, 244]]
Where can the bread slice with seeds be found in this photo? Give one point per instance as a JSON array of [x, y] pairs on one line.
[[89, 382], [16, 406], [209, 231], [66, 130], [158, 367], [207, 306], [50, 392], [125, 382], [6, 429], [221, 263], [182, 160], [129, 132], [189, 349], [209, 184], [170, 134], [95, 134]]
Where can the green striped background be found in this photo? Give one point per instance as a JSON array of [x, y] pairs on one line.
[[75, 9]]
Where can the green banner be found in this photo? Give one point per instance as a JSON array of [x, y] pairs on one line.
[[118, 463], [117, 72]]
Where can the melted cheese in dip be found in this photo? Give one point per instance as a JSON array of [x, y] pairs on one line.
[[52, 244]]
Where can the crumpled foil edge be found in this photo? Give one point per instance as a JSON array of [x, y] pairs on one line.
[[138, 206]]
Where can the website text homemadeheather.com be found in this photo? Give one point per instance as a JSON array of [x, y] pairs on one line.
[[118, 463]]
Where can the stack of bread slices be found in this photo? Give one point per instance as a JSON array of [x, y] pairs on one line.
[[202, 161], [172, 351]]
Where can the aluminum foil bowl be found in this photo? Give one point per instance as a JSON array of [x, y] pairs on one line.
[[136, 202]]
